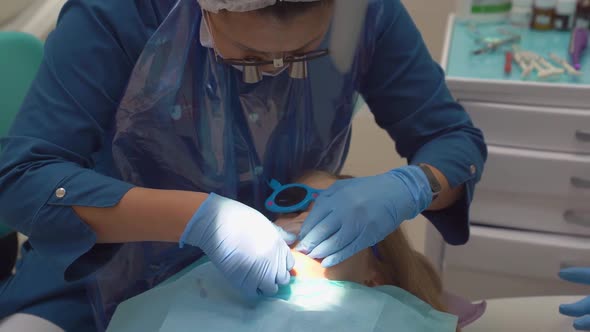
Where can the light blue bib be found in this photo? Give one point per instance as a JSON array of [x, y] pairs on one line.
[[201, 300]]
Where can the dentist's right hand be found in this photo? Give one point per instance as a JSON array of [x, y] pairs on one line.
[[249, 250]]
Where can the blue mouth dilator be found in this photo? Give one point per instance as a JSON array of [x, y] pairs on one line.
[[295, 197], [290, 198]]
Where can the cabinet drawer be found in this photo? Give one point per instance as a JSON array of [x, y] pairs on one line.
[[555, 129], [519, 253], [511, 170], [477, 285], [532, 212]]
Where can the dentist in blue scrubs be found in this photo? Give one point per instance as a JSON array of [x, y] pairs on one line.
[[153, 129]]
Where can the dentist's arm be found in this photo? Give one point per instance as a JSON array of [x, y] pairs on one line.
[[249, 250], [143, 215], [406, 92]]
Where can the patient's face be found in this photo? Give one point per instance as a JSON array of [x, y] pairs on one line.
[[359, 268]]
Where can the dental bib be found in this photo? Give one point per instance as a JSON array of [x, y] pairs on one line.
[[202, 300]]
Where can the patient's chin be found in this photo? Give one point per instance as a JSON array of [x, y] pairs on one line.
[[309, 268], [354, 269], [306, 267]]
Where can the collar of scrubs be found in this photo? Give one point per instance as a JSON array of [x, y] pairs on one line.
[[206, 40]]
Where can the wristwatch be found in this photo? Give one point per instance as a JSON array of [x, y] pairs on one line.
[[435, 186]]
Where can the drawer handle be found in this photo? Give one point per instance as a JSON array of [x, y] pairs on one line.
[[577, 218], [580, 183], [583, 136]]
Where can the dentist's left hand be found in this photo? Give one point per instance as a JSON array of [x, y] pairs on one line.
[[355, 214], [249, 250]]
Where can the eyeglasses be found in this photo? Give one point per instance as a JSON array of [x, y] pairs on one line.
[[290, 198], [297, 65], [251, 66]]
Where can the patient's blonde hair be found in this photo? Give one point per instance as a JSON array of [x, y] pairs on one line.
[[408, 269]]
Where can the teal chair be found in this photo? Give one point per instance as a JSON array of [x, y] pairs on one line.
[[20, 57]]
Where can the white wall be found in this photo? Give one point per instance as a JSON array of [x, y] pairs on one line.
[[36, 17], [431, 18]]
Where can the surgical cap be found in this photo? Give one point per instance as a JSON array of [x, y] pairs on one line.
[[241, 5]]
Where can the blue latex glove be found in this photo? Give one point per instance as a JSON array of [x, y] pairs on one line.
[[248, 249], [355, 214], [582, 308]]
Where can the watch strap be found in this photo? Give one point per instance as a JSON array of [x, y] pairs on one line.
[[435, 185]]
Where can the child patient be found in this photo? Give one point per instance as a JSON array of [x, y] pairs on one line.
[[391, 262]]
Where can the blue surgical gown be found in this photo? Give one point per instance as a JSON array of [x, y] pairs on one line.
[[59, 140]]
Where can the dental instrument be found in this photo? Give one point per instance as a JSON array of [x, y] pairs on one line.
[[568, 68], [578, 44], [495, 44]]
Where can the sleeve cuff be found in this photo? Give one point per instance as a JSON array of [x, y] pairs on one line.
[[86, 187], [61, 237], [462, 164], [453, 222]]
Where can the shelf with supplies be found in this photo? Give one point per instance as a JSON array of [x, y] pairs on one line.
[[536, 186], [463, 68]]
